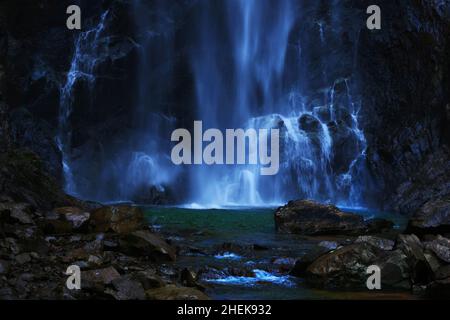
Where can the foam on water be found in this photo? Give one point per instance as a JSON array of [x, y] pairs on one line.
[[260, 277]]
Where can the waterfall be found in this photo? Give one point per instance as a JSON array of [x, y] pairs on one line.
[[82, 67], [141, 163], [241, 80], [253, 64]]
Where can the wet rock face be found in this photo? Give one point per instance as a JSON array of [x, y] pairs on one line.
[[343, 268], [37, 135], [309, 124], [430, 182], [404, 99]]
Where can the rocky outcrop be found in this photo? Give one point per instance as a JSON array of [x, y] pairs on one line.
[[405, 94], [119, 257], [311, 218], [38, 136], [432, 218], [24, 179], [118, 219], [343, 268], [440, 247]]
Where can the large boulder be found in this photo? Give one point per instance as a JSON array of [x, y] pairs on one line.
[[343, 268], [310, 218], [302, 263], [118, 219], [66, 220], [432, 217], [420, 272], [440, 247], [145, 243]]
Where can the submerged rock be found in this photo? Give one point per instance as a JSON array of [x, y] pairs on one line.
[[310, 218]]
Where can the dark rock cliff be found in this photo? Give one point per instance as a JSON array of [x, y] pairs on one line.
[[404, 72]]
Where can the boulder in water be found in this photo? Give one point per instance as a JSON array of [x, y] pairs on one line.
[[310, 218]]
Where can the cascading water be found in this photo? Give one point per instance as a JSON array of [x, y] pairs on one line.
[[84, 60], [141, 167], [245, 79], [284, 64]]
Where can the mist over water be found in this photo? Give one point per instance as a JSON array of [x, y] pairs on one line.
[[255, 64]]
